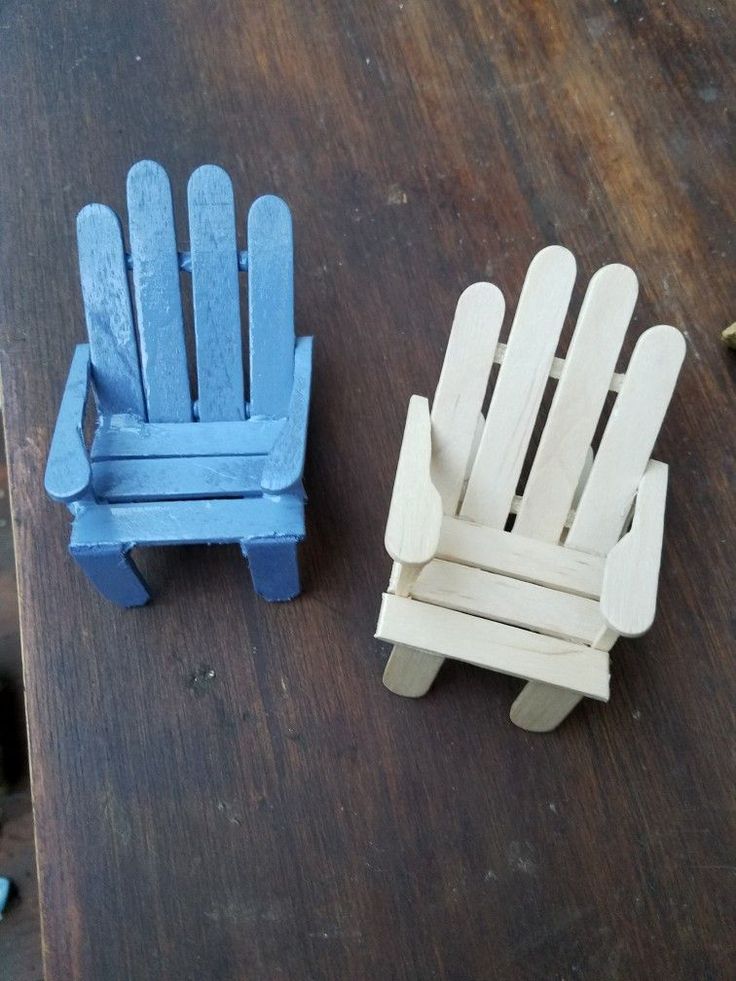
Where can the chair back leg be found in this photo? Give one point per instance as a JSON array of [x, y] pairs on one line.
[[112, 572]]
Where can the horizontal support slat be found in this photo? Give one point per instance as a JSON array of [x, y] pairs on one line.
[[184, 260], [176, 477], [521, 604], [124, 436], [558, 364], [188, 522], [497, 646], [562, 568]]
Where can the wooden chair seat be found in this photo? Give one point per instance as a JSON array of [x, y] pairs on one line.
[[538, 578], [164, 468]]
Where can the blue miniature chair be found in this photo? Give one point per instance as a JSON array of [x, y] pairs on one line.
[[162, 469]]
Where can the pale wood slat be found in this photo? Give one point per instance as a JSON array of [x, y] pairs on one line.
[[513, 555], [577, 403], [628, 440], [160, 321], [110, 328], [631, 575], [270, 306], [415, 512], [497, 646], [462, 387], [522, 377], [507, 600], [215, 296]]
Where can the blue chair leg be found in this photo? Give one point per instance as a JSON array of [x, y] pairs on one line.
[[112, 572], [274, 567]]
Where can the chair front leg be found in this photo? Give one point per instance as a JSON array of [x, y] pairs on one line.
[[541, 707], [274, 567], [410, 672], [112, 572]]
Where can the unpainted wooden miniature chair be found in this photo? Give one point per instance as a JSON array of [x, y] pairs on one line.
[[537, 585], [161, 468]]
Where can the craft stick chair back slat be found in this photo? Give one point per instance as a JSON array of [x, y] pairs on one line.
[[108, 313], [159, 317]]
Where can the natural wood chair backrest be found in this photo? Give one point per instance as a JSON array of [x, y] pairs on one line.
[[477, 471], [139, 365]]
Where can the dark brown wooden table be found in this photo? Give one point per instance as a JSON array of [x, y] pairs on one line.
[[286, 817]]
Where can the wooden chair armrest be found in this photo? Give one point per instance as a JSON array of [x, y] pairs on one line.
[[286, 460], [631, 572], [68, 472], [415, 514]]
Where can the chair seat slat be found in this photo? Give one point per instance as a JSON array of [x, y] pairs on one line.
[[189, 522], [157, 295], [523, 558], [125, 436], [628, 440], [462, 387], [215, 296], [107, 310], [270, 306], [498, 646], [507, 600], [522, 377], [203, 477], [577, 403]]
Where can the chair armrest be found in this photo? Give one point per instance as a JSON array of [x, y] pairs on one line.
[[68, 473], [631, 571], [415, 514], [285, 462]]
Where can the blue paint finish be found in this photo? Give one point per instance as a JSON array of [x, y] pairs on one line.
[[112, 340], [125, 436], [189, 522], [176, 478], [68, 473], [270, 306], [154, 476], [274, 567], [286, 460], [112, 572], [5, 890], [163, 355], [216, 296]]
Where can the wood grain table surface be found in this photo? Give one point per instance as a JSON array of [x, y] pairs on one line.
[[223, 789]]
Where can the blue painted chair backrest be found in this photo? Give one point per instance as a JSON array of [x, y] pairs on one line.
[[139, 363]]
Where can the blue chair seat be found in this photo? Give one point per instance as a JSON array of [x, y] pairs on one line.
[[163, 468]]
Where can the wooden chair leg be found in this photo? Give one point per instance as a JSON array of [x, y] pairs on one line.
[[541, 707], [112, 572], [274, 567], [410, 672]]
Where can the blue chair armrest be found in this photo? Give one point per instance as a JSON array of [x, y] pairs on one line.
[[68, 472], [285, 462]]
